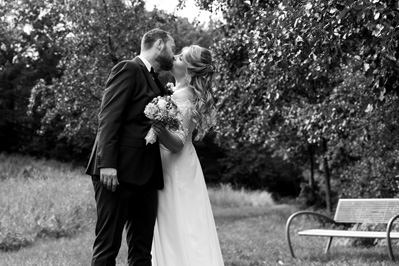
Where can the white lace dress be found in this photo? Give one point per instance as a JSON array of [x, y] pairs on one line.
[[185, 232]]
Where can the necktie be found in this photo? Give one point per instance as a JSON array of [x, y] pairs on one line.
[[153, 73]]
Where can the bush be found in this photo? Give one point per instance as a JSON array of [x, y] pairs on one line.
[[254, 167]]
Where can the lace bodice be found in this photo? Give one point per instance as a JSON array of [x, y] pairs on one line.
[[186, 108]]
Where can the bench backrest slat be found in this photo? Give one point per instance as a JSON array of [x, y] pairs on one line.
[[366, 210]]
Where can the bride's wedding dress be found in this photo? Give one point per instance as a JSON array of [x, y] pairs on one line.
[[185, 232]]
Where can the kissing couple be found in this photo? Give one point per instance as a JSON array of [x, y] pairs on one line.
[[156, 192]]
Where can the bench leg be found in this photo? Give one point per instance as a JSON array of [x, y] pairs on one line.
[[328, 244], [390, 250], [389, 246], [287, 233], [287, 226]]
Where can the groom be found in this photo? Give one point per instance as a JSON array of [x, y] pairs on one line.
[[127, 173]]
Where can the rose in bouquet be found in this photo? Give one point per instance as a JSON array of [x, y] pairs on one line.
[[163, 110], [169, 88]]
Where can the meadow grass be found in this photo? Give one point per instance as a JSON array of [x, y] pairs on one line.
[[249, 236], [47, 211], [41, 199], [225, 196]]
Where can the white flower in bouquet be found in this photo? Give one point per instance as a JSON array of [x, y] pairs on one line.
[[150, 110], [173, 112], [162, 104]]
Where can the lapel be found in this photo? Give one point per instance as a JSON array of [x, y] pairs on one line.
[[148, 76]]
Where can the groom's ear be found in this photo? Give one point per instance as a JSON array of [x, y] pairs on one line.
[[159, 44]]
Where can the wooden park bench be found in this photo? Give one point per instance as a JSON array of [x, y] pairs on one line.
[[377, 211]]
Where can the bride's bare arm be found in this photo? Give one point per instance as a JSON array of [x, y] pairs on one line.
[[170, 140]]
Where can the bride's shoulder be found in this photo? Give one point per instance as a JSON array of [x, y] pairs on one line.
[[183, 95]]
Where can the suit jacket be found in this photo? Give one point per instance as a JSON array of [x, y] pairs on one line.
[[123, 126]]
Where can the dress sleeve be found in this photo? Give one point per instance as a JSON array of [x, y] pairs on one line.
[[186, 110]]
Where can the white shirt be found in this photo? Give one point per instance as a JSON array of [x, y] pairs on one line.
[[146, 63]]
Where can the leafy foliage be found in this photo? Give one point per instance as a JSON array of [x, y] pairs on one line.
[[29, 50], [294, 77], [55, 57], [300, 74]]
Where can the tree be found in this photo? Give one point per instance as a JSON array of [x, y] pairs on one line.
[[296, 74], [30, 49], [98, 38]]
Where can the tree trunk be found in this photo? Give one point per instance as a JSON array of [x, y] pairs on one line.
[[327, 177], [312, 184]]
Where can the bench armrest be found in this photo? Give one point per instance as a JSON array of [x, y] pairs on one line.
[[287, 227], [390, 223]]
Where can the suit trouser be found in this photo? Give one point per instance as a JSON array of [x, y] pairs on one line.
[[132, 207]]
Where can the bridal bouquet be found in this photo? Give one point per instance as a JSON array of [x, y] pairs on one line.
[[164, 110]]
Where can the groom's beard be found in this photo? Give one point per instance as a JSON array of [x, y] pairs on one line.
[[165, 61]]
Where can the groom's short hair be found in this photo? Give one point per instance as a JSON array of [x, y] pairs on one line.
[[152, 36]]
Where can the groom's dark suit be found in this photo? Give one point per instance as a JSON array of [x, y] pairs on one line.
[[120, 144]]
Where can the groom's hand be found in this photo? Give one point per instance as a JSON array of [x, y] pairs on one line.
[[109, 178]]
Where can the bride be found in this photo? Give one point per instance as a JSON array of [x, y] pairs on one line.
[[185, 232]]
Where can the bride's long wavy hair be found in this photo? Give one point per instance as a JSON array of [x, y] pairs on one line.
[[200, 70]]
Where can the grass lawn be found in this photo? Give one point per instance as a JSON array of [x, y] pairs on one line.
[[249, 236], [47, 219]]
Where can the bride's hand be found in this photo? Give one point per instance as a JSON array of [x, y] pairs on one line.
[[158, 128]]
